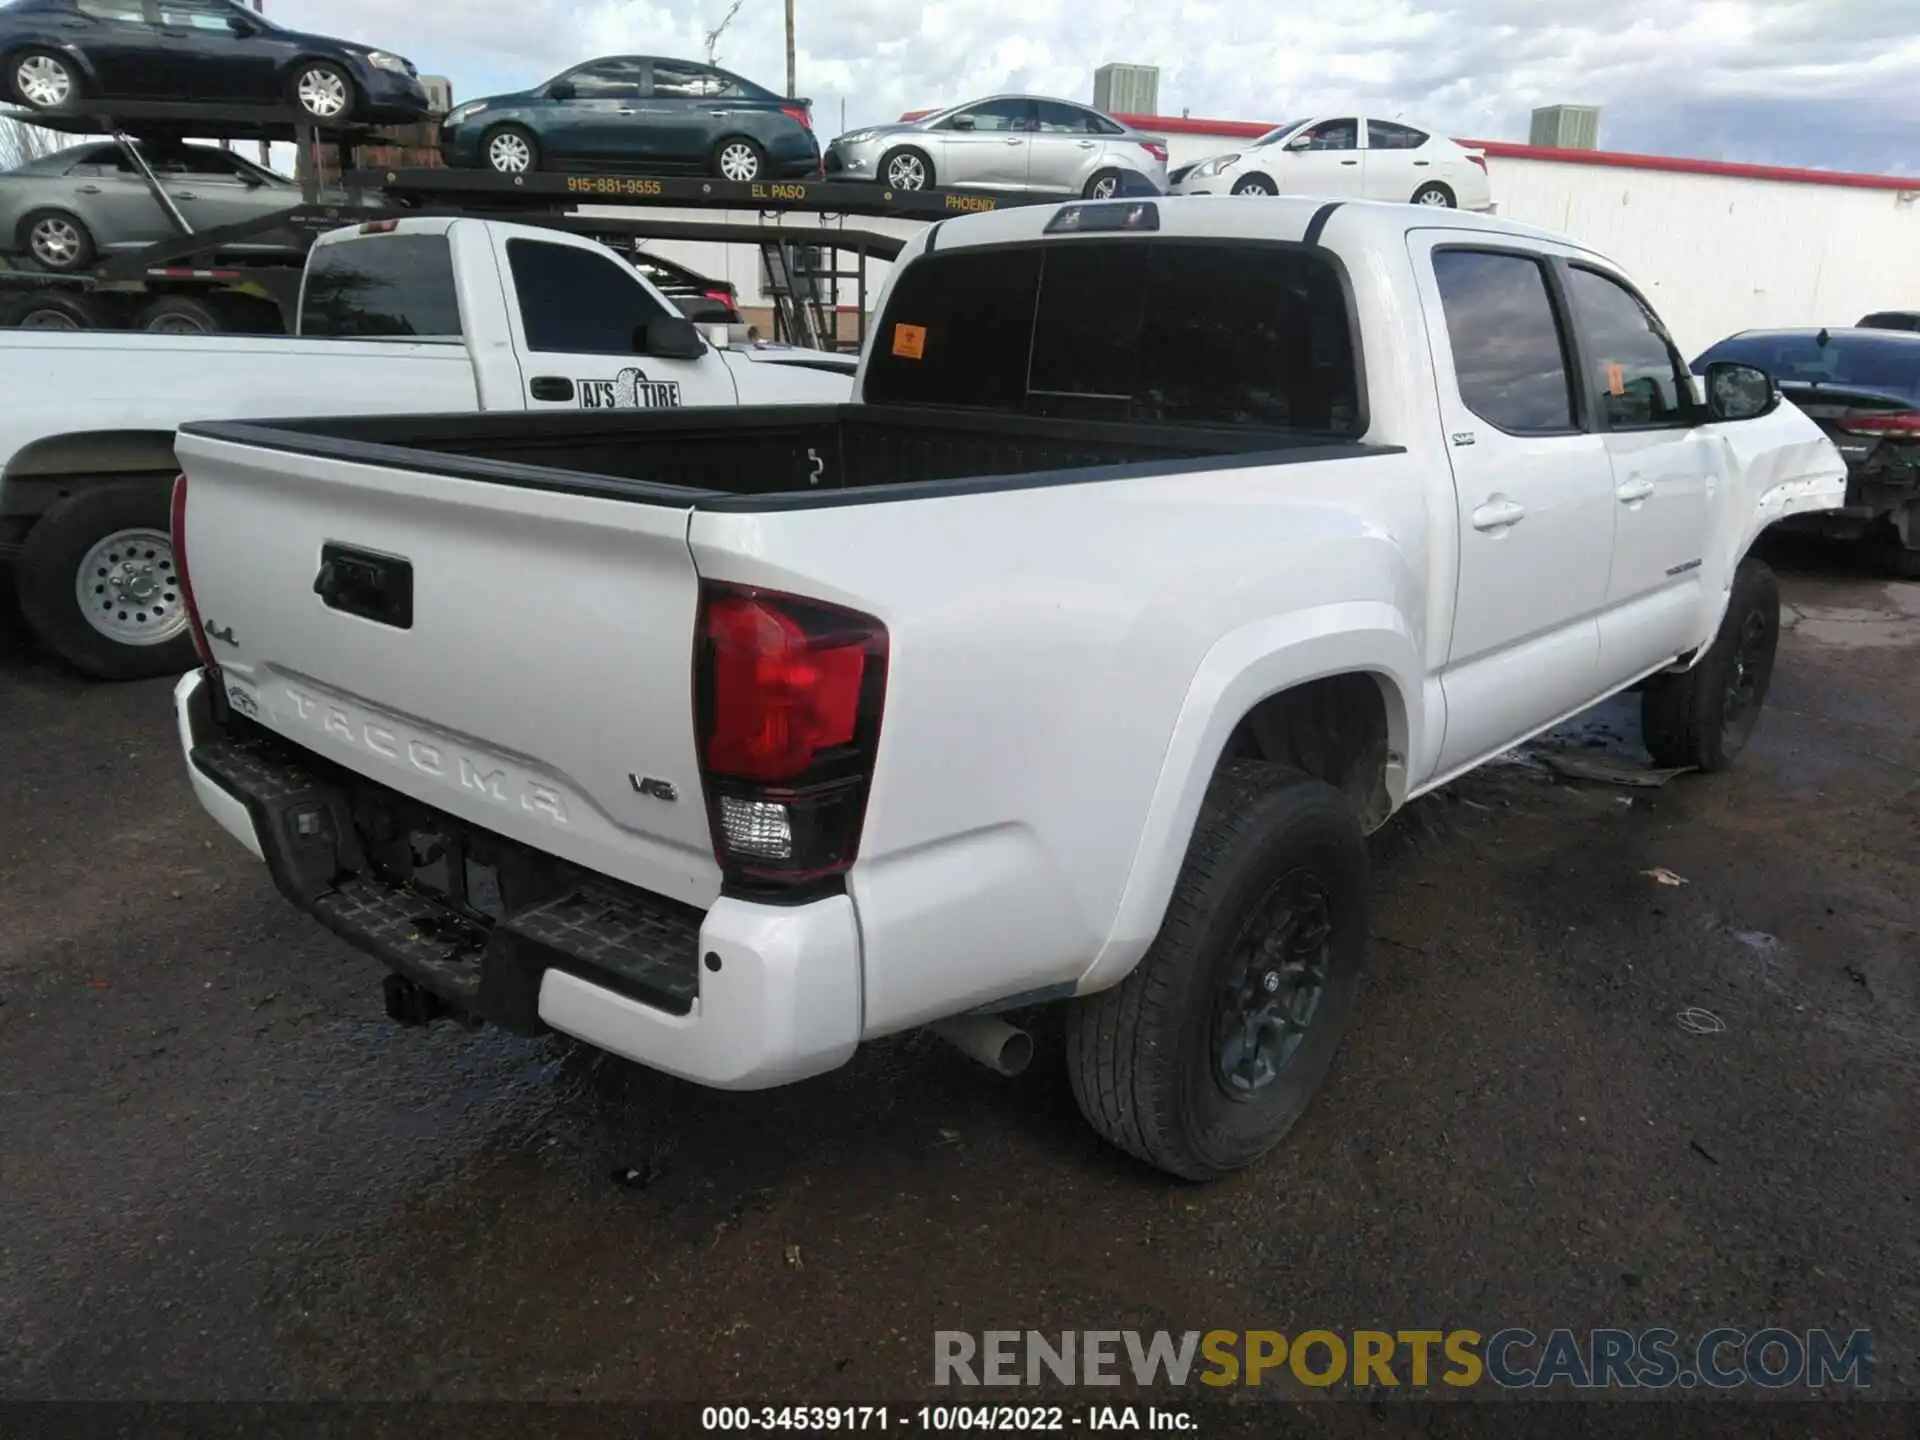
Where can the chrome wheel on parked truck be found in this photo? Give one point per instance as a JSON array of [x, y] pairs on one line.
[[127, 588]]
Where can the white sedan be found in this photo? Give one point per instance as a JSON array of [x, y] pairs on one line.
[[1353, 157]]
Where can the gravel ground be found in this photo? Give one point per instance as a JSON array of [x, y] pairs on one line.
[[224, 1175]]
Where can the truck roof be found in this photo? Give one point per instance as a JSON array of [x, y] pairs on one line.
[[1280, 217]]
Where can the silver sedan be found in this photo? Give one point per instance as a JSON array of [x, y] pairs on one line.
[[1008, 142], [68, 209]]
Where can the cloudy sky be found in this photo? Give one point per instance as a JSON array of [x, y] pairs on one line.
[[1833, 84]]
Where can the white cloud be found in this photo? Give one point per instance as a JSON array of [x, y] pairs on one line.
[[1831, 83]]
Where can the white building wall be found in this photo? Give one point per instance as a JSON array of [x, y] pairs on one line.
[[1714, 253]]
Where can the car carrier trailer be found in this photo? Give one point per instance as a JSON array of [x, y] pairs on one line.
[[196, 281]]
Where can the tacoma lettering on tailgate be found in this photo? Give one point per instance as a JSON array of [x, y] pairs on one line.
[[475, 774]]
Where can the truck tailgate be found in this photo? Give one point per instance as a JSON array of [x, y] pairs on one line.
[[519, 659]]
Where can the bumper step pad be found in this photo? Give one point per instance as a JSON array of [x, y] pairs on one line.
[[589, 926]]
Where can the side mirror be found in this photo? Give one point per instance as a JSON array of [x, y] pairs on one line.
[[242, 27], [1299, 142], [561, 90], [668, 337], [960, 122], [1739, 392]]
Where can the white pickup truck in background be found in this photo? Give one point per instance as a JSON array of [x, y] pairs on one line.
[[408, 315], [1173, 546]]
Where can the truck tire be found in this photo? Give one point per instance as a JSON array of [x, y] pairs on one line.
[[181, 315], [110, 541], [54, 310], [1704, 717], [1201, 1060]]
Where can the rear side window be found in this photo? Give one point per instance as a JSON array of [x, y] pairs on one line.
[[1385, 135], [1162, 331], [677, 80], [577, 302], [383, 287], [1508, 354]]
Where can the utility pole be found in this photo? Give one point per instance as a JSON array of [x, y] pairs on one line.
[[266, 149], [792, 88]]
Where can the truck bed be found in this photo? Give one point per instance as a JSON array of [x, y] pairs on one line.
[[777, 457]]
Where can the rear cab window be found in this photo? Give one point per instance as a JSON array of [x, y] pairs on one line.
[[1146, 331], [382, 287]]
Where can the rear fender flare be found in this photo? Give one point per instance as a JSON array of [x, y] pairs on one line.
[[44, 472], [1245, 667]]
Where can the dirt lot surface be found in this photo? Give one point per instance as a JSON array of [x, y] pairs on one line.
[[224, 1174]]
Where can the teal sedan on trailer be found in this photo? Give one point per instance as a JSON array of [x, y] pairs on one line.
[[637, 113]]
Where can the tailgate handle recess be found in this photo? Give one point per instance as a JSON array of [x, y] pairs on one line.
[[374, 587]]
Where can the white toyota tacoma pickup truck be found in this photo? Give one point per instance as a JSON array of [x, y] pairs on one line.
[[410, 315], [1171, 547]]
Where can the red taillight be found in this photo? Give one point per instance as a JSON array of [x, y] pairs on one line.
[[178, 524], [800, 113], [1155, 149], [1479, 160], [723, 294], [788, 700], [1884, 425]]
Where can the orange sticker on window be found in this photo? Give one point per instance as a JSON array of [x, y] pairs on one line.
[[1616, 380], [909, 341]]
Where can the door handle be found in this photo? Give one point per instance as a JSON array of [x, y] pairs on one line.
[[1421, 164], [1634, 491], [1349, 162], [1088, 144], [1499, 513], [88, 190], [186, 195], [1016, 139], [627, 112], [550, 387]]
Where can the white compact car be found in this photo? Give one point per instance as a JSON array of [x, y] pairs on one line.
[[1348, 157]]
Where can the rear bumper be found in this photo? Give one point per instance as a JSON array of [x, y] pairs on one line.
[[744, 997]]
